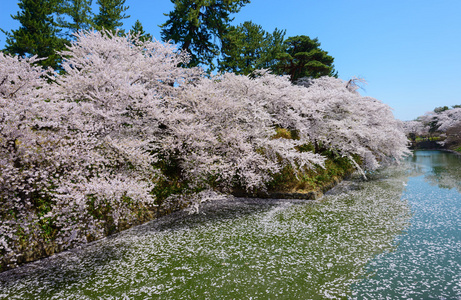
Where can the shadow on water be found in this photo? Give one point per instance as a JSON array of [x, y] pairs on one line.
[[72, 265], [214, 211]]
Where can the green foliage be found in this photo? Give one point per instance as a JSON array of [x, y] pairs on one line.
[[102, 210], [428, 138], [111, 13], [304, 58], [38, 33], [248, 47], [441, 109], [43, 205], [138, 29], [196, 24], [42, 230], [171, 181], [315, 179], [75, 15], [285, 133], [289, 180]]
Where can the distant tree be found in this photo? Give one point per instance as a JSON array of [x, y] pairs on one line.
[[446, 122], [432, 119], [248, 47], [448, 118], [414, 128], [440, 109], [304, 58], [75, 15], [197, 26], [453, 133], [433, 125], [352, 125], [37, 34], [111, 13], [139, 30]]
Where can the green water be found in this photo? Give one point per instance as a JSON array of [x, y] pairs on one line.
[[396, 235]]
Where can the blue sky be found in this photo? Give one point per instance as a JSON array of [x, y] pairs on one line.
[[409, 51]]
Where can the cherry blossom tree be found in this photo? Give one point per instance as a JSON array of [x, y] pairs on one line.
[[81, 145], [445, 122], [227, 128], [354, 125], [441, 120], [26, 157], [448, 119], [415, 128], [114, 93]]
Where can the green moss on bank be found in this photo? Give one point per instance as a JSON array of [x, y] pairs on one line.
[[39, 239], [317, 179]]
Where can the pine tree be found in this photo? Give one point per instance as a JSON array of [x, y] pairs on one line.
[[79, 13], [139, 30], [249, 47], [38, 33], [197, 25], [111, 13], [304, 58]]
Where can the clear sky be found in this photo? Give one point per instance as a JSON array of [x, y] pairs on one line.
[[409, 51]]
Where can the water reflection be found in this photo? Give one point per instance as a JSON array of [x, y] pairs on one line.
[[427, 261], [442, 169]]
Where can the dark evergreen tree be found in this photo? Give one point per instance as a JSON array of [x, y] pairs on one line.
[[304, 58], [111, 13], [138, 29], [38, 32], [198, 26], [75, 15], [274, 46], [248, 47]]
